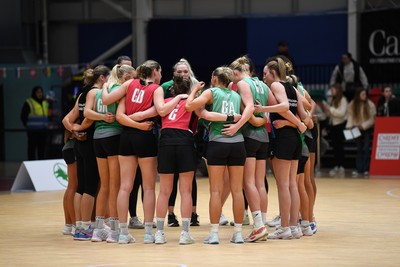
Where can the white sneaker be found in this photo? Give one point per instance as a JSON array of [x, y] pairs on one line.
[[159, 238], [306, 230], [281, 233], [256, 234], [73, 230], [125, 239], [276, 222], [212, 238], [148, 238], [99, 235], [135, 223], [296, 233], [246, 220], [185, 238], [341, 170], [112, 236], [313, 226], [366, 174], [237, 238], [67, 230], [334, 171], [223, 220]]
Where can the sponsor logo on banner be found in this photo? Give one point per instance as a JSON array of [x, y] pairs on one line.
[[60, 173], [388, 147], [384, 47]]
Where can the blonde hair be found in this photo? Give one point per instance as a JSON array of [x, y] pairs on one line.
[[192, 77], [224, 75], [241, 64], [278, 65], [117, 73], [292, 79], [145, 70]]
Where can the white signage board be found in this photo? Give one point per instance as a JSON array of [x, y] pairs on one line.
[[41, 175], [388, 146]]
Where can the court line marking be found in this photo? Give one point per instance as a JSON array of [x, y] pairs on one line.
[[137, 263], [391, 193]]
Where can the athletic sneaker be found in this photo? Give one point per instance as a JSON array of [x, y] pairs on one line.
[[246, 220], [84, 235], [313, 227], [306, 230], [126, 239], [194, 221], [172, 221], [256, 234], [281, 233], [73, 229], [112, 236], [67, 230], [296, 232], [334, 171], [223, 220], [275, 222], [159, 238], [212, 239], [148, 238], [185, 238], [135, 223], [237, 238], [99, 235]]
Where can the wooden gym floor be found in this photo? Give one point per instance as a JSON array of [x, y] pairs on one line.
[[358, 225]]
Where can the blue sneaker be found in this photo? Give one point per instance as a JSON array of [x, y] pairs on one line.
[[85, 235], [76, 234], [313, 226]]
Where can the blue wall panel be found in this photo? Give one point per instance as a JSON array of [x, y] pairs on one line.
[[312, 39]]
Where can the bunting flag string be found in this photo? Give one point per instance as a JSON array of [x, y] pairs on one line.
[[33, 72]]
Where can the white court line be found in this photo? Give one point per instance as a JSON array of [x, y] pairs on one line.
[[392, 194], [29, 203], [140, 263]]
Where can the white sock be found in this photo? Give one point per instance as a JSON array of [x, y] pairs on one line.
[[264, 217], [237, 227], [160, 224], [124, 228], [214, 228], [257, 218]]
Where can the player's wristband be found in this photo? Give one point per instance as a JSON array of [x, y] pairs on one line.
[[230, 117]]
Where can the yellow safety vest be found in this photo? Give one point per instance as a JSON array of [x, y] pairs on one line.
[[37, 118]]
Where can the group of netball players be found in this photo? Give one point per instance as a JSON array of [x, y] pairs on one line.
[[124, 123]]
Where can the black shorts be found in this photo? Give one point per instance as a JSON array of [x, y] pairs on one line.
[[302, 164], [313, 147], [176, 159], [309, 142], [287, 144], [256, 149], [226, 154], [106, 147], [138, 143], [69, 155]]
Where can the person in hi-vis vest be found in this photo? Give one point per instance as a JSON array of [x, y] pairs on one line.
[[34, 116]]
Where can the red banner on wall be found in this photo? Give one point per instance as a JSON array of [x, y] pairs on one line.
[[385, 157]]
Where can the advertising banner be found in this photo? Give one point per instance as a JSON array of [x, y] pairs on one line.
[[380, 46], [41, 175], [385, 157]]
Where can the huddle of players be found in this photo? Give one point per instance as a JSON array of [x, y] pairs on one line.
[[235, 111]]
